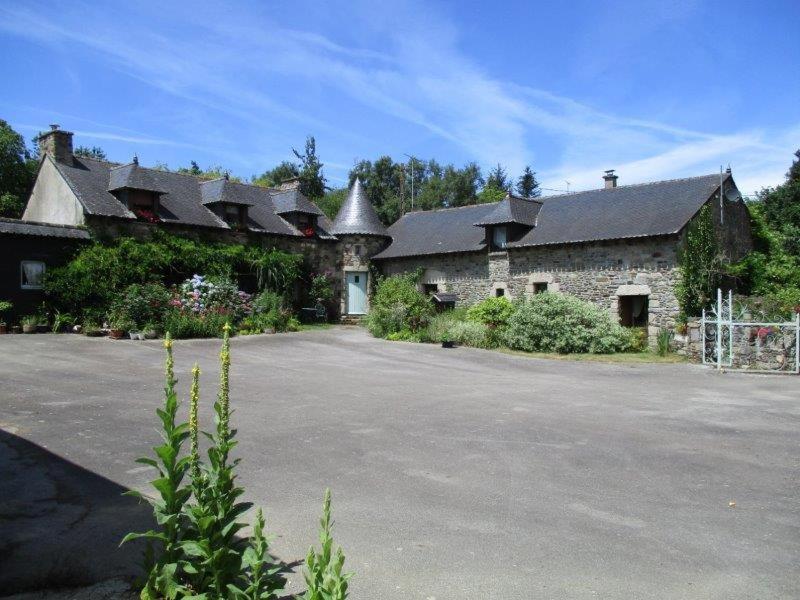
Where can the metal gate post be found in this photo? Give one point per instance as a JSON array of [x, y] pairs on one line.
[[797, 342], [719, 329]]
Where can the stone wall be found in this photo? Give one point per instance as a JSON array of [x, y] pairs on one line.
[[354, 253], [596, 272]]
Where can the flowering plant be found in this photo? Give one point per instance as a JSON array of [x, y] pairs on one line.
[[200, 295], [144, 214], [308, 231]]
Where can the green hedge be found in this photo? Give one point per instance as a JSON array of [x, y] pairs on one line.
[[398, 306], [90, 282]]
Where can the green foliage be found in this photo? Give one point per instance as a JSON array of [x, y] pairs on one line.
[[11, 206], [321, 288], [277, 175], [312, 181], [663, 341], [332, 201], [498, 179], [527, 186], [398, 305], [142, 303], [771, 272], [268, 313], [551, 322], [700, 265], [30, 320], [5, 306], [17, 171], [491, 193], [494, 312], [455, 326], [89, 283], [323, 575], [196, 551], [95, 152], [162, 570], [184, 325]]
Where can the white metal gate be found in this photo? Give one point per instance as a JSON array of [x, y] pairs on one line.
[[734, 341]]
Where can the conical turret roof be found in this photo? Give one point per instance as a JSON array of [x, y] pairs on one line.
[[357, 216]]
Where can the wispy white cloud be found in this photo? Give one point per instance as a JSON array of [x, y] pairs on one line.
[[418, 75]]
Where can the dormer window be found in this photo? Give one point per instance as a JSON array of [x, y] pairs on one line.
[[138, 189], [499, 237], [235, 215], [306, 224]]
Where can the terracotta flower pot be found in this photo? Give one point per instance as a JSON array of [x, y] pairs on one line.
[[116, 334], [29, 328], [3, 328]]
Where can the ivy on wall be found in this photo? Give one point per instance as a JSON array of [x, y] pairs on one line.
[[700, 265]]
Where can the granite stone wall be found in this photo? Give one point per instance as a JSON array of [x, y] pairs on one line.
[[597, 272]]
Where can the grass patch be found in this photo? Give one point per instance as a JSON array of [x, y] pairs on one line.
[[314, 326], [619, 357]]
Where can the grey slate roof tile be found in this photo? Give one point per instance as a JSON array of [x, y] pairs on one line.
[[287, 201], [16, 227], [182, 198], [513, 209], [651, 209], [357, 215], [133, 177]]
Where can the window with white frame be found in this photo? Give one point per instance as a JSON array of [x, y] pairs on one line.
[[31, 274]]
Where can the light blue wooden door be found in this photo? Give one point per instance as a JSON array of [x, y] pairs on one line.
[[356, 293]]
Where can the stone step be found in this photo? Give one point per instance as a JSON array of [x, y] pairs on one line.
[[350, 319]]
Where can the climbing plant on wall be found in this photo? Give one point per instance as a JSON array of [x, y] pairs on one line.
[[700, 265]]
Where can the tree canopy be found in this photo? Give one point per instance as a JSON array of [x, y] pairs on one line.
[[17, 171], [95, 152]]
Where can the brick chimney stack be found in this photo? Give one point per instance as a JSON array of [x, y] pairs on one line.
[[610, 179], [57, 143]]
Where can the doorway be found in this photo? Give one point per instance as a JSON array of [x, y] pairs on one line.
[[356, 292], [633, 311]]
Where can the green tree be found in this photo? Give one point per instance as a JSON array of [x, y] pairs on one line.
[[277, 175], [794, 171], [212, 172], [332, 201], [527, 186], [95, 152], [498, 178], [17, 172], [312, 181]]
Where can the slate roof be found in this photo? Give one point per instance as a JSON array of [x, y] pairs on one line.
[[16, 227], [183, 197], [513, 209], [650, 209], [133, 177], [357, 215], [288, 201], [224, 190]]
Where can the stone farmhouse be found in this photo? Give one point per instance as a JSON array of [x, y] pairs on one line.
[[616, 246]]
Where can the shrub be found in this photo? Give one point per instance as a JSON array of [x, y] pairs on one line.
[[493, 312], [398, 305], [452, 326], [551, 322], [182, 324], [142, 303], [87, 285], [200, 295]]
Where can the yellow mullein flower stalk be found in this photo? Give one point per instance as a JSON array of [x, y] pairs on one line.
[[224, 385], [194, 401], [170, 364]]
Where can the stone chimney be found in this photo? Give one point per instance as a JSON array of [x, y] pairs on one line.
[[610, 179], [290, 184], [57, 143]]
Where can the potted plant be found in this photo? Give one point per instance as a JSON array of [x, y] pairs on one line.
[[447, 341], [91, 329], [150, 331], [4, 307], [30, 323], [118, 326]]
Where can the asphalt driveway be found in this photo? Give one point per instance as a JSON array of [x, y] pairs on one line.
[[455, 473]]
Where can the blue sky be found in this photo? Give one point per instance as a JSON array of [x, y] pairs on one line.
[[655, 89]]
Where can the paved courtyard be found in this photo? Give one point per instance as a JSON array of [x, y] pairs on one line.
[[455, 473]]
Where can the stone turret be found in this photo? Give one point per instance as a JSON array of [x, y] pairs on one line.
[[361, 235]]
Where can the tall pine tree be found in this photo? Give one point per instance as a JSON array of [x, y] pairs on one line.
[[527, 186]]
